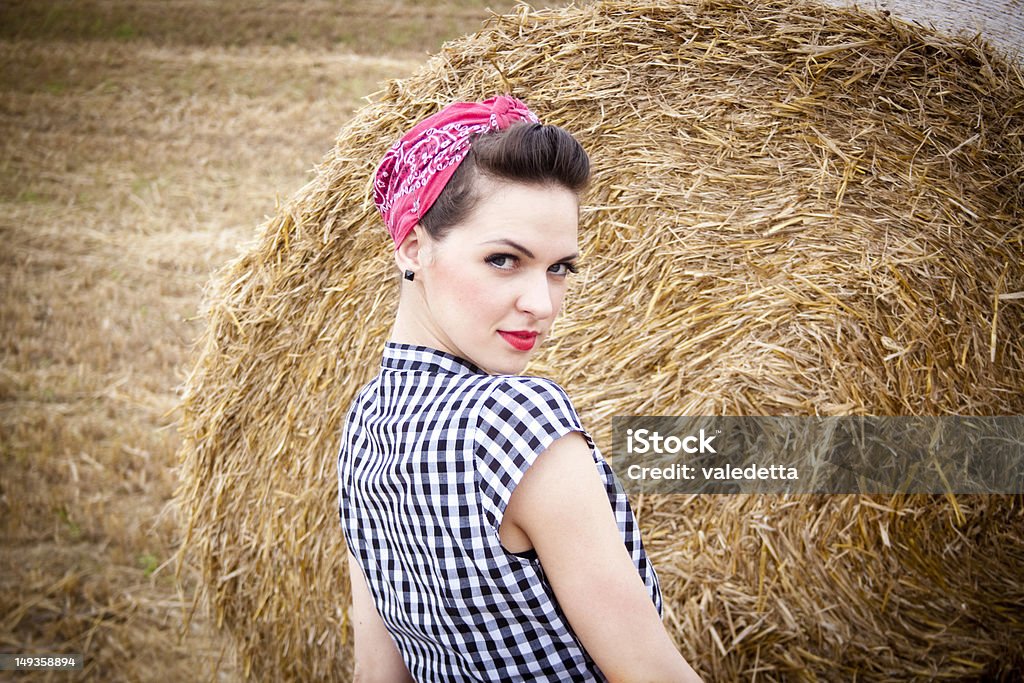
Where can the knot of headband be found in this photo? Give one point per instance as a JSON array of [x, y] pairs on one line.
[[418, 166]]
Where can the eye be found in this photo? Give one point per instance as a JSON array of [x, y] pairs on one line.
[[502, 261], [563, 269]]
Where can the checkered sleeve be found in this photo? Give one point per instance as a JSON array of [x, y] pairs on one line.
[[519, 418]]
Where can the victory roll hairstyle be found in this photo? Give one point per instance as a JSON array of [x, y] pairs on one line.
[[528, 153]]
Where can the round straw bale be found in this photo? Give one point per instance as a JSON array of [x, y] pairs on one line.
[[796, 209]]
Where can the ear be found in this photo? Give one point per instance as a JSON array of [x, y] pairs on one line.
[[410, 252]]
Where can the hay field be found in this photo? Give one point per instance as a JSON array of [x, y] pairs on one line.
[[141, 143]]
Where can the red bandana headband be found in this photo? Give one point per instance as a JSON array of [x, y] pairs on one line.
[[416, 169]]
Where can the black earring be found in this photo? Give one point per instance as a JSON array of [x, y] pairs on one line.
[[409, 275]]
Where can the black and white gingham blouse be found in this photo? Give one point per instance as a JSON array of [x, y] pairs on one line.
[[432, 449]]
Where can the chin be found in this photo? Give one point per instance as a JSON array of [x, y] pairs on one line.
[[506, 366], [500, 359], [516, 369], [505, 369]]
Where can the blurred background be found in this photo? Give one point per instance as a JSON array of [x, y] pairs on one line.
[[141, 144]]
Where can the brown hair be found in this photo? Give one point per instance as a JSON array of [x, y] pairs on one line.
[[529, 153]]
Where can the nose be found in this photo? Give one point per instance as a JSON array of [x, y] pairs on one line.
[[537, 296]]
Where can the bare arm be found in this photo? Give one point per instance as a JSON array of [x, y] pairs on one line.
[[377, 656], [562, 508]]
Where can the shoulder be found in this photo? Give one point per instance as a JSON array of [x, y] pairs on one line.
[[526, 395], [533, 410], [520, 417]]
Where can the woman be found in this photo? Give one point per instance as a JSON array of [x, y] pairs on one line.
[[488, 540]]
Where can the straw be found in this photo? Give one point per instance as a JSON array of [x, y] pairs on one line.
[[795, 210]]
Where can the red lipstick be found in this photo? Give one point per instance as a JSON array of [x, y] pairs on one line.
[[520, 340]]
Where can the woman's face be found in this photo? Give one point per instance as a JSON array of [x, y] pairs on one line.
[[494, 285]]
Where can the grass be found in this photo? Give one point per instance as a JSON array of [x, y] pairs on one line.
[[141, 143]]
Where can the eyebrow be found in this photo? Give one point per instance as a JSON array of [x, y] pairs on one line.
[[527, 252]]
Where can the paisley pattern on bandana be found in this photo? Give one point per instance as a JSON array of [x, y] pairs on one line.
[[418, 166]]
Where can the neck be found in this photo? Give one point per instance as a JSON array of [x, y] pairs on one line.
[[411, 325]]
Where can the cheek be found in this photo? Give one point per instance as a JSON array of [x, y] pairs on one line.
[[557, 297], [556, 303], [465, 293]]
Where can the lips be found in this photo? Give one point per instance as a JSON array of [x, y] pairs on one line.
[[520, 340]]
